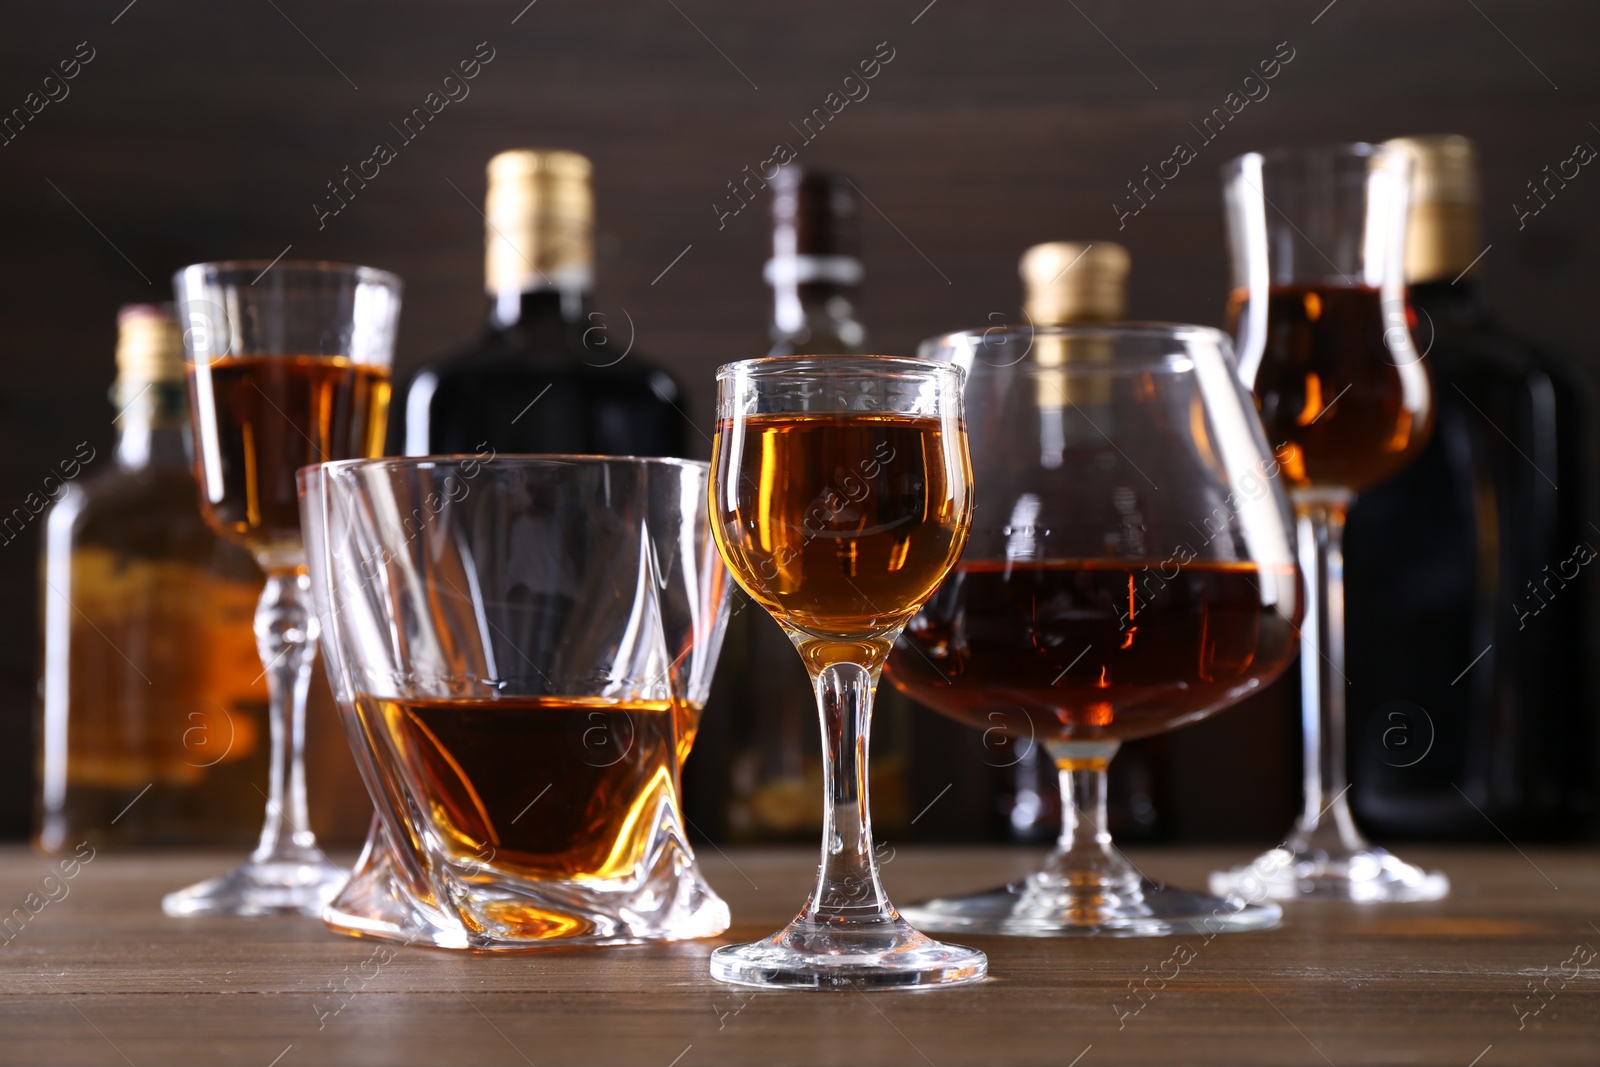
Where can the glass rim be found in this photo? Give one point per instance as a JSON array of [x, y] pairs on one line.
[[1176, 331], [327, 267], [1336, 149], [525, 460], [888, 366]]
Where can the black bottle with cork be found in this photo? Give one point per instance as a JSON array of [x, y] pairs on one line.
[[550, 373], [1469, 575]]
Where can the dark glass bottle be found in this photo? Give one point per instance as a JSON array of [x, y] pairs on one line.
[[551, 373], [1468, 577], [776, 765]]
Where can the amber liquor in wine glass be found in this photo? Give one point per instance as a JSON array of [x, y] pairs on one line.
[[1336, 404], [847, 522], [270, 415]]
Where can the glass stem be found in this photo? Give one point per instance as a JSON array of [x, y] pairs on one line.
[[848, 890], [1326, 823], [286, 637], [1084, 855]]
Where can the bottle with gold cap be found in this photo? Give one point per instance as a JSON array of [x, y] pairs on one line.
[[152, 708], [551, 373], [1474, 561]]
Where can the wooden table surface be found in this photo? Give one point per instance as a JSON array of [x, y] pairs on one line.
[[1500, 973]]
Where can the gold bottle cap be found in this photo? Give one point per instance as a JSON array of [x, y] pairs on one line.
[[539, 221], [1443, 237], [149, 344], [1071, 281]]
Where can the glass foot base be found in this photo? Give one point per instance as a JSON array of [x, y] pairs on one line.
[[1027, 909], [819, 955], [252, 889], [1369, 875]]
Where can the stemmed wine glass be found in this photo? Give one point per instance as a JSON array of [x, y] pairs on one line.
[[1130, 570], [1318, 310], [840, 498], [288, 364]]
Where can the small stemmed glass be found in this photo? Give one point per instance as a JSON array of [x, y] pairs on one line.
[[1318, 310], [288, 364], [840, 498]]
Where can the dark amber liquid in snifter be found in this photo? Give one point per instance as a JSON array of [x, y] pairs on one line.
[[1090, 649], [840, 524], [273, 415]]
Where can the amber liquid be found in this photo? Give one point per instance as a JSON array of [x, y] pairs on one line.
[[1336, 408], [271, 416], [1095, 649], [539, 787], [840, 525]]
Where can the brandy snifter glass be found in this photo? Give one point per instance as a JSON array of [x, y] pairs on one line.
[[1130, 570], [841, 496]]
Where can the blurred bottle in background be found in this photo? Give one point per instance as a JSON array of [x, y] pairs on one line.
[[551, 373], [151, 725], [1469, 576], [1072, 282], [776, 763]]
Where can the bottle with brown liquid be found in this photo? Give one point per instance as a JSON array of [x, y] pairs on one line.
[[151, 726], [776, 760], [1475, 561], [551, 373]]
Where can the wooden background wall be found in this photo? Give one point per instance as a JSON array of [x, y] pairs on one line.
[[202, 131]]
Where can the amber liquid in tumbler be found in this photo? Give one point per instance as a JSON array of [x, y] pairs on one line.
[[273, 415], [840, 525], [1337, 409], [1095, 649], [550, 788]]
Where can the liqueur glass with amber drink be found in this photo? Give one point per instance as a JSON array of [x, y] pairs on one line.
[[520, 647], [287, 364], [841, 497], [1318, 312], [1130, 570]]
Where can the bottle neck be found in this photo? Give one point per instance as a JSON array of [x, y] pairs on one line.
[[513, 308], [814, 302], [153, 427]]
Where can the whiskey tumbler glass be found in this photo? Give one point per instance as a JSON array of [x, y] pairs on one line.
[[520, 648]]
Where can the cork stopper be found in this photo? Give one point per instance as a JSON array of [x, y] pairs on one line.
[[538, 221], [149, 344], [1071, 281], [1443, 236]]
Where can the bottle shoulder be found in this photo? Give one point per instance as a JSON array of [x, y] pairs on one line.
[[153, 512], [507, 357]]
